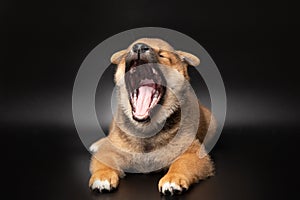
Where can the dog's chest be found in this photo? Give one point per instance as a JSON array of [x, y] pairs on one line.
[[149, 162]]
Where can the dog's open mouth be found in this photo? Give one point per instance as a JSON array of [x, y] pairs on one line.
[[145, 85]]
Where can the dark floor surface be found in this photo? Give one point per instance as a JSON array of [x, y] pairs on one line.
[[251, 163]]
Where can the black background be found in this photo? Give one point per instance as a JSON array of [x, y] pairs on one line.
[[253, 43]]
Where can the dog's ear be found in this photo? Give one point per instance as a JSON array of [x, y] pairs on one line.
[[117, 57], [189, 58]]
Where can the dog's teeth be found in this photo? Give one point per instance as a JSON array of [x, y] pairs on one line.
[[156, 94], [154, 71], [134, 93], [132, 70], [134, 98], [154, 101]]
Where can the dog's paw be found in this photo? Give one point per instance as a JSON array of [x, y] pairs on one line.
[[172, 184], [106, 181]]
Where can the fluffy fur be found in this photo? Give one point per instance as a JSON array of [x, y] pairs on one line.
[[122, 150]]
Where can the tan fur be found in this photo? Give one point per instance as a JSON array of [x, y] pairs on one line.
[[103, 172], [188, 168]]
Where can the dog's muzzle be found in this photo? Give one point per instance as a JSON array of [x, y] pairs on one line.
[[145, 82]]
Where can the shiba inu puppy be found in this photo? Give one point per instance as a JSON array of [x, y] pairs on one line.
[[155, 103]]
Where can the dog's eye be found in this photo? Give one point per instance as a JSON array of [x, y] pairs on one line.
[[162, 55]]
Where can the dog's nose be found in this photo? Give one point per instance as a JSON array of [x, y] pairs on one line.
[[140, 48]]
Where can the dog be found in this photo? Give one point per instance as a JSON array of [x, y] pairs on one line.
[[154, 102]]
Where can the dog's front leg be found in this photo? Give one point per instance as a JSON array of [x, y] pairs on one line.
[[189, 168], [106, 167], [104, 178]]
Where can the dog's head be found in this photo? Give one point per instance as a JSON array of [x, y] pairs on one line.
[[146, 84]]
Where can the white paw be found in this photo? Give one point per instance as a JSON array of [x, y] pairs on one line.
[[171, 188], [94, 147], [101, 186]]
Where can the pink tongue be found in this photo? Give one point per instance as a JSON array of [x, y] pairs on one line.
[[143, 100]]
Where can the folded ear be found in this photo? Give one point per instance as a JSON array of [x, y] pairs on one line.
[[189, 58], [117, 57]]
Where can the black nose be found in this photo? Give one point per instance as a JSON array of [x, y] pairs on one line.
[[140, 48]]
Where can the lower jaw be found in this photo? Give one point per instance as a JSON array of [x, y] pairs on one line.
[[144, 119]]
